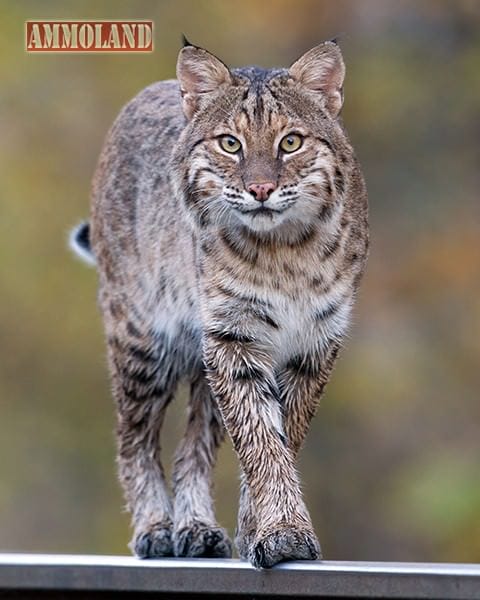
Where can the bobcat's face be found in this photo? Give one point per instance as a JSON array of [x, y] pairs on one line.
[[261, 146]]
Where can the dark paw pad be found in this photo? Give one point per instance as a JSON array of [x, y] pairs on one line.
[[284, 544], [198, 540], [153, 543]]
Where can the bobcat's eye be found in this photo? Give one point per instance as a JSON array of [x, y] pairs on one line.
[[230, 144], [291, 142]]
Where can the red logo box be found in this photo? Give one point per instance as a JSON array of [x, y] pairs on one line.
[[89, 36]]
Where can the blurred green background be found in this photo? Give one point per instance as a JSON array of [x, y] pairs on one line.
[[391, 467]]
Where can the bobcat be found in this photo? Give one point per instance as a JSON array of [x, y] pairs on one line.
[[229, 229]]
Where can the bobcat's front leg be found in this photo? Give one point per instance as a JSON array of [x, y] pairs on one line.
[[242, 380], [301, 386]]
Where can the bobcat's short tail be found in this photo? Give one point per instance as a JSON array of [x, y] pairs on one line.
[[79, 242]]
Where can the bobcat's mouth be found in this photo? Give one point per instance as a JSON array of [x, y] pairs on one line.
[[262, 210], [261, 217]]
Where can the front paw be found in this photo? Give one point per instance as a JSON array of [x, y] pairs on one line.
[[283, 544], [153, 542], [200, 540], [243, 543]]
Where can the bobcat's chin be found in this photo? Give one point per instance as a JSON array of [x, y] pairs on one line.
[[263, 219]]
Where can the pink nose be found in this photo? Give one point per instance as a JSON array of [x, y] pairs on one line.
[[261, 191]]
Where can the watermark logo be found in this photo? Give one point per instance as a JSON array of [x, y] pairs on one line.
[[89, 36]]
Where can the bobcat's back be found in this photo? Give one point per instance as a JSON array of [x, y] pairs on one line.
[[139, 236]]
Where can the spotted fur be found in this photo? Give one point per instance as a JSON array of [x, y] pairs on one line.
[[250, 306]]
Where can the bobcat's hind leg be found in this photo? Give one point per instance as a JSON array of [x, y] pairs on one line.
[[247, 522], [143, 385], [196, 532]]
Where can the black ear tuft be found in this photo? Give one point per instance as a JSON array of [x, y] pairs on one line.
[[185, 42], [337, 39]]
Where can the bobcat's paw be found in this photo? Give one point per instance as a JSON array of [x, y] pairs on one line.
[[284, 544], [200, 540], [243, 543], [153, 542]]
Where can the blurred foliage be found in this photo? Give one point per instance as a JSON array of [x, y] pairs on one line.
[[391, 463]]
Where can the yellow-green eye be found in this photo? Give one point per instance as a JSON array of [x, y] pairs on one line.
[[291, 142], [230, 144]]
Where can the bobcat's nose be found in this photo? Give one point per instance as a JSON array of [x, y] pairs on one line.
[[261, 191]]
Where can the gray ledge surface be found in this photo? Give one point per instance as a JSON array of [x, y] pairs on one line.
[[60, 576]]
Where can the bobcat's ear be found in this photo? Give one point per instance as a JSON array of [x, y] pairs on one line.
[[322, 69], [199, 73]]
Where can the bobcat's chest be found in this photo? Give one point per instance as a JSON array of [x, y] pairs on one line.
[[295, 331], [307, 323]]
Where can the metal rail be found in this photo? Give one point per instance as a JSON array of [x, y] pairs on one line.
[[25, 576]]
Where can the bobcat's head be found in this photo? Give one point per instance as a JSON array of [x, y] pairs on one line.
[[263, 148]]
